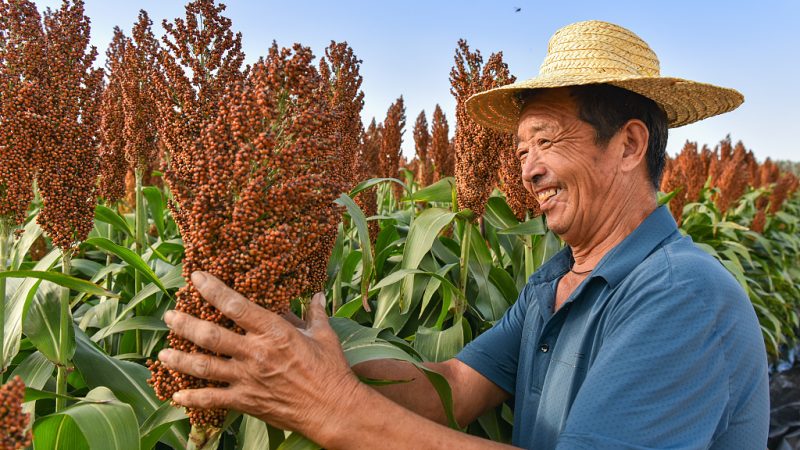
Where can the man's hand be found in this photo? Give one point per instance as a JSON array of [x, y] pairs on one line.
[[287, 374]]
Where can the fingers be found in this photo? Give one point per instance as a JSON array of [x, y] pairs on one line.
[[205, 398], [317, 316], [200, 365], [208, 335], [294, 320], [233, 305]]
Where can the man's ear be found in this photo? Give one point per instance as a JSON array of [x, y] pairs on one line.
[[635, 136]]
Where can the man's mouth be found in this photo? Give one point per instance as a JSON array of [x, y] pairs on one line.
[[546, 194]]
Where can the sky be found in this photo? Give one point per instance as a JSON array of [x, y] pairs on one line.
[[407, 49]]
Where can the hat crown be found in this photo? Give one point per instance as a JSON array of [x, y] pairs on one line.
[[596, 48]]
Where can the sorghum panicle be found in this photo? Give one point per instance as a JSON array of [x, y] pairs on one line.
[[14, 432], [391, 141], [477, 148], [422, 139], [199, 59], [340, 70], [21, 68], [67, 161], [368, 167], [440, 151], [111, 152], [261, 215]]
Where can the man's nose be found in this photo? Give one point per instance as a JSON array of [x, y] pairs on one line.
[[533, 170]]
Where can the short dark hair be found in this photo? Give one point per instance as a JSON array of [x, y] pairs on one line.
[[607, 108]]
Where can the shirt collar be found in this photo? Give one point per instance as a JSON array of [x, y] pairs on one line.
[[623, 258]]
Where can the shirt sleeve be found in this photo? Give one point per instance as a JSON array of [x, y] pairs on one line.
[[495, 353], [659, 380]]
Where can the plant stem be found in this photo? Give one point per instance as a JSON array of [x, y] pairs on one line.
[[4, 228], [529, 264], [63, 334], [464, 268], [141, 223]]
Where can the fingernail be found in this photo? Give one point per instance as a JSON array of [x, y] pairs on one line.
[[168, 316], [164, 355], [319, 297], [198, 279], [177, 397]]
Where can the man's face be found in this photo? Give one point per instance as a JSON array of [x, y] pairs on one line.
[[571, 177]]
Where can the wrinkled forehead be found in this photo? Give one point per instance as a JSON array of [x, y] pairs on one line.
[[545, 109]]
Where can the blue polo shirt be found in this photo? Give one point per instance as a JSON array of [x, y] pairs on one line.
[[659, 347]]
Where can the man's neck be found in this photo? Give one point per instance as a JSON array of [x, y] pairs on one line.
[[611, 231]]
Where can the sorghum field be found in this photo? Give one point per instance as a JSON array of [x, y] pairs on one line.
[[117, 183]]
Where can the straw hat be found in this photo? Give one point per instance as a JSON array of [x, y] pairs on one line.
[[594, 52]]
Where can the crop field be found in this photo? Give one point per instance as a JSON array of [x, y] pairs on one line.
[[116, 183]]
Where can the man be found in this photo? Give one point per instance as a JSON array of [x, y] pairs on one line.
[[631, 337]]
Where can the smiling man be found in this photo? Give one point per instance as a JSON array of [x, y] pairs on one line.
[[631, 337]]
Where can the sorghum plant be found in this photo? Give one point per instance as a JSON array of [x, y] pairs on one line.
[[392, 139], [440, 151], [200, 57], [69, 134], [340, 70], [477, 149], [111, 153], [422, 139], [14, 432], [21, 57], [259, 206]]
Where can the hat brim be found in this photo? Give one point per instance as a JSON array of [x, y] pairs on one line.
[[683, 101]]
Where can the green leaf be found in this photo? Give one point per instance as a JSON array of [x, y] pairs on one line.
[[134, 323], [15, 308], [76, 284], [533, 226], [43, 322], [297, 441], [364, 185], [421, 235], [547, 246], [155, 203], [440, 345], [127, 380], [360, 222], [103, 421], [499, 214], [111, 217], [30, 233], [441, 191], [256, 435], [129, 257], [159, 422]]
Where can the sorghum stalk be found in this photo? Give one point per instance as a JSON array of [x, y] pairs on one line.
[[464, 262], [141, 224], [4, 235], [63, 333]]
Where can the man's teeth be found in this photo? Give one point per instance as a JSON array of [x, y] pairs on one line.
[[545, 195]]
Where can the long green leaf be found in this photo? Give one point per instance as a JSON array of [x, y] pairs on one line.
[[155, 203], [421, 235], [15, 308], [441, 191], [111, 217], [43, 322], [159, 422], [60, 279], [129, 257], [360, 222], [104, 422], [127, 380], [30, 233], [440, 345], [134, 323]]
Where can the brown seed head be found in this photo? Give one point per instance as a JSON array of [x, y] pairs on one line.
[[14, 432]]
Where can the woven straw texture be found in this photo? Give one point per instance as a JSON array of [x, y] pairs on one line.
[[594, 52]]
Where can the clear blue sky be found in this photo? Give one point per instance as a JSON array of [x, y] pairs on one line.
[[407, 48]]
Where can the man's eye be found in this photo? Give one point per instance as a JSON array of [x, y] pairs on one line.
[[522, 154], [543, 142]]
